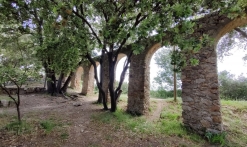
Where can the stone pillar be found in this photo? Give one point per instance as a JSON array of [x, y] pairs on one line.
[[87, 84], [85, 78], [76, 79], [138, 91], [90, 89], [200, 94]]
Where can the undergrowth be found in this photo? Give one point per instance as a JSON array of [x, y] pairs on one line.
[[18, 127]]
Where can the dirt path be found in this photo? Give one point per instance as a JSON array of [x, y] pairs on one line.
[[78, 125], [154, 115]]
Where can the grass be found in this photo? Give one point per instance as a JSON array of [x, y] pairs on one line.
[[234, 119], [48, 125], [18, 128], [170, 123], [33, 127]]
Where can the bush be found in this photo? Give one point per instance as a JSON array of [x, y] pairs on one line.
[[232, 88], [161, 93]]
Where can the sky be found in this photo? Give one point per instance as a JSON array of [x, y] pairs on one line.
[[234, 63]]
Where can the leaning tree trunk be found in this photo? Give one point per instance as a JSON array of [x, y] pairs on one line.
[[118, 90], [97, 80], [66, 84], [17, 102]]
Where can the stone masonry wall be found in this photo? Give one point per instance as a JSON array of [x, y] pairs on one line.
[[76, 79], [200, 90], [138, 102], [85, 78]]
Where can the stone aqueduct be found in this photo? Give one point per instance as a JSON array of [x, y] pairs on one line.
[[200, 94]]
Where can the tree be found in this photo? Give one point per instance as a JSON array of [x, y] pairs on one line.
[[165, 75], [17, 60], [59, 54], [231, 87], [168, 76]]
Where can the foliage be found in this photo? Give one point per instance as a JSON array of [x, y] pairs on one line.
[[17, 61], [219, 138], [54, 46], [234, 39], [232, 88], [161, 93]]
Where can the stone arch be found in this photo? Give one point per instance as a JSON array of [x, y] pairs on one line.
[[238, 22], [139, 80], [150, 52], [200, 89], [200, 93]]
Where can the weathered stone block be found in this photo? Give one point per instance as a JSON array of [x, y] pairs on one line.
[[205, 123], [215, 108], [217, 119]]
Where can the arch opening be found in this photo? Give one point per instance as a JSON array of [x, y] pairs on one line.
[[232, 77]]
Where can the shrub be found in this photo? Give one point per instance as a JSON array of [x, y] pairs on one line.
[[161, 93], [232, 88]]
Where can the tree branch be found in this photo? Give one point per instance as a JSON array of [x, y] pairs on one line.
[[88, 24], [5, 89], [118, 91], [244, 34]]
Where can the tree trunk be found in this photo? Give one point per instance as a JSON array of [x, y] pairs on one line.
[[18, 104], [100, 98], [174, 80], [51, 82], [66, 84], [97, 80], [59, 83], [118, 90], [112, 64], [54, 85], [18, 113]]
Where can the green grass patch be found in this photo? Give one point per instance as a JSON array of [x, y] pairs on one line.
[[120, 119], [234, 120], [48, 125], [18, 128]]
